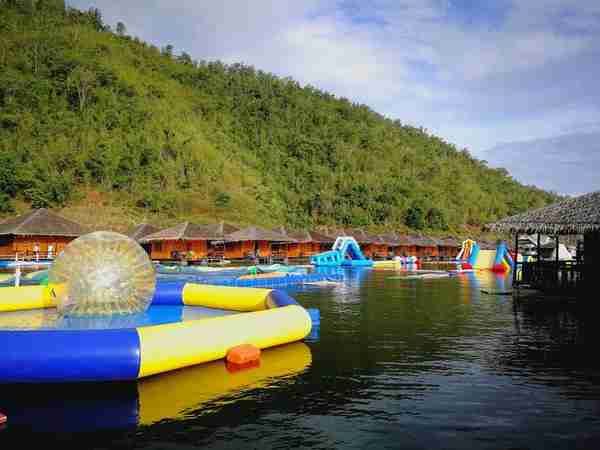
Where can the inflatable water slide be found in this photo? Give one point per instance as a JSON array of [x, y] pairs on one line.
[[472, 256], [345, 252]]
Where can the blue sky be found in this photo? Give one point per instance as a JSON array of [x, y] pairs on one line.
[[481, 74]]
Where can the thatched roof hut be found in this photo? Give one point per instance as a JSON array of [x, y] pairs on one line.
[[449, 242], [41, 222], [306, 236], [577, 215], [142, 231], [320, 238], [188, 231], [257, 234]]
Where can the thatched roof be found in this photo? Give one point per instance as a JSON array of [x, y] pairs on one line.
[[424, 241], [361, 236], [320, 238], [188, 231], [141, 231], [449, 242], [305, 236], [572, 216], [404, 240], [41, 222], [257, 234]]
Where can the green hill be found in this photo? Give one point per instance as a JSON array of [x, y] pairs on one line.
[[85, 109]]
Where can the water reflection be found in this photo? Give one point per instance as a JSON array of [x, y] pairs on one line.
[[89, 407], [398, 363]]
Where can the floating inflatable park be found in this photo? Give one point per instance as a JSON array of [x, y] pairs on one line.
[[102, 316], [471, 256], [345, 253]]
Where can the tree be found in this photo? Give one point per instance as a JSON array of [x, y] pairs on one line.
[[184, 58], [121, 29], [222, 200], [6, 205], [168, 50], [81, 81], [436, 219], [415, 217]]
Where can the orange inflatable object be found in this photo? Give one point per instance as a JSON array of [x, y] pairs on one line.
[[243, 354], [232, 367]]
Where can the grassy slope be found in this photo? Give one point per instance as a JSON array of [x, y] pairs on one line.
[[116, 132]]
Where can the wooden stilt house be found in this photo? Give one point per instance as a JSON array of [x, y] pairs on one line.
[[406, 245], [254, 242], [187, 241], [306, 243], [38, 234], [140, 232], [427, 247], [448, 248], [580, 217]]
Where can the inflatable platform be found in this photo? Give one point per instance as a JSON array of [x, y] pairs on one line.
[[471, 256], [186, 324], [345, 252]]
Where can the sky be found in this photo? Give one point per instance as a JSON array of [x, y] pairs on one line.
[[482, 74]]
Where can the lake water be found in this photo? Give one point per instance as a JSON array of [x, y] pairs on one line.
[[396, 363]]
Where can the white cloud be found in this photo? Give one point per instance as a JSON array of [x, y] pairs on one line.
[[523, 70]]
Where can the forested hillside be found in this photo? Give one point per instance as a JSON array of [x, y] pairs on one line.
[[84, 108]]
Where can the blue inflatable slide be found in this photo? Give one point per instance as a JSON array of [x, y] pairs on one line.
[[345, 252]]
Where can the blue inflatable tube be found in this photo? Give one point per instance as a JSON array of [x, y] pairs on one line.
[[112, 354], [59, 355]]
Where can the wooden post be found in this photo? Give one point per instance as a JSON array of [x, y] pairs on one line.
[[515, 270], [556, 261]]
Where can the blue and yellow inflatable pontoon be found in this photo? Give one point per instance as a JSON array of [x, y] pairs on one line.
[[186, 324]]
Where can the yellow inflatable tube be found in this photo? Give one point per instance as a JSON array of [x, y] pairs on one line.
[[177, 345], [25, 297], [241, 299]]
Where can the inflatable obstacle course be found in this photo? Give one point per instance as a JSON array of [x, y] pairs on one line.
[[345, 252], [471, 256]]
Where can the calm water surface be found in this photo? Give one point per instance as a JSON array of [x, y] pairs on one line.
[[397, 363]]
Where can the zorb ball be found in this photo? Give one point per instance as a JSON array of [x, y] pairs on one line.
[[100, 274]]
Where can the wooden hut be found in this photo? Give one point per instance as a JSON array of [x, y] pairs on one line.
[[368, 244], [405, 246], [448, 248], [254, 242], [40, 228], [383, 246], [187, 240], [140, 232], [427, 247], [306, 243], [579, 216], [320, 242]]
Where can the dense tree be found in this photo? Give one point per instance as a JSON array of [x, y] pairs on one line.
[[81, 106]]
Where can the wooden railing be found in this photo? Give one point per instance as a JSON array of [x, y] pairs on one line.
[[552, 275], [28, 256]]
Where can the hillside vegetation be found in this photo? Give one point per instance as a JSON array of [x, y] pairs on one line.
[[83, 108]]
